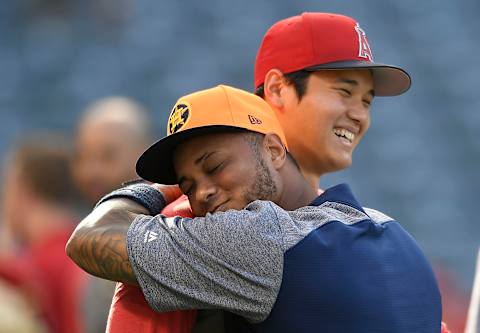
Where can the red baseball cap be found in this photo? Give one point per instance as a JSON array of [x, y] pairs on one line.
[[325, 41]]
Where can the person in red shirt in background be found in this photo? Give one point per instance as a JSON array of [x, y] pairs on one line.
[[39, 211]]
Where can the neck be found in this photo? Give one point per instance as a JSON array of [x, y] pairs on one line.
[[313, 179], [297, 191]]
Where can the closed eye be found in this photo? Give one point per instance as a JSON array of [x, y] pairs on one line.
[[367, 103], [214, 169], [345, 91], [185, 189]]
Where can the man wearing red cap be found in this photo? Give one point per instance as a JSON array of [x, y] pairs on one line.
[[316, 70]]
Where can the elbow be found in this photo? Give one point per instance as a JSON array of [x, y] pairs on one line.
[[72, 247], [69, 247], [76, 249]]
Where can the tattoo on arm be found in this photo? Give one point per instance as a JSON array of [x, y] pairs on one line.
[[103, 253], [98, 245]]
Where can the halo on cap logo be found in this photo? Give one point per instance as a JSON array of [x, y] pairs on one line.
[[364, 50], [178, 117]]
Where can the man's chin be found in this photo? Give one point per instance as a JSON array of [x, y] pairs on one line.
[[231, 205], [341, 162], [345, 164], [225, 207]]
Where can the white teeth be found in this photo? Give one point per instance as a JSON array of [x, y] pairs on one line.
[[350, 136], [344, 133]]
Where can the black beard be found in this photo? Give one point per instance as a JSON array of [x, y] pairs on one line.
[[263, 187]]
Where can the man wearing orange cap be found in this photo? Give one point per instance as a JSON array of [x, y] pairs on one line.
[[320, 261]]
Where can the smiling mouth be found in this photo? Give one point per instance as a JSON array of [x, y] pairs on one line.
[[345, 134], [218, 208]]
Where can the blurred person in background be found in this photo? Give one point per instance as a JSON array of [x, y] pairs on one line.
[[111, 134], [39, 212], [6, 243], [16, 313]]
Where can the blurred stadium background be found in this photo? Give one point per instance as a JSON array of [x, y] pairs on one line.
[[419, 162]]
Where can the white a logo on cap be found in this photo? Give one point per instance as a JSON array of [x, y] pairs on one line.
[[363, 46]]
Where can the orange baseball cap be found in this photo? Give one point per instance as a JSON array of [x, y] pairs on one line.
[[219, 109], [324, 41]]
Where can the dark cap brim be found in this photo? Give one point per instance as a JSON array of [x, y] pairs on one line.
[[156, 163], [388, 80]]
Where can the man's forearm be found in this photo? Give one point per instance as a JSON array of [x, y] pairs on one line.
[[98, 244]]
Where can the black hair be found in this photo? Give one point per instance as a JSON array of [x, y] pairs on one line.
[[298, 79]]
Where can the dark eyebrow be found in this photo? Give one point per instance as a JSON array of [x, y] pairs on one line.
[[205, 156], [348, 81], [353, 83]]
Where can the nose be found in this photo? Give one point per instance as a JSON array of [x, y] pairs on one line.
[[359, 113], [206, 191]]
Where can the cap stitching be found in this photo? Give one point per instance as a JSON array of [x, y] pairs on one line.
[[229, 104], [309, 24]]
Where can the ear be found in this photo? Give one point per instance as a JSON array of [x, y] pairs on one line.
[[272, 88], [275, 149]]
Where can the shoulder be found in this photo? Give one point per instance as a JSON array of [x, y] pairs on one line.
[[328, 211], [297, 224], [377, 216]]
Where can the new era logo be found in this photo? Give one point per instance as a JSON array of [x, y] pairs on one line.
[[254, 121], [150, 236]]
